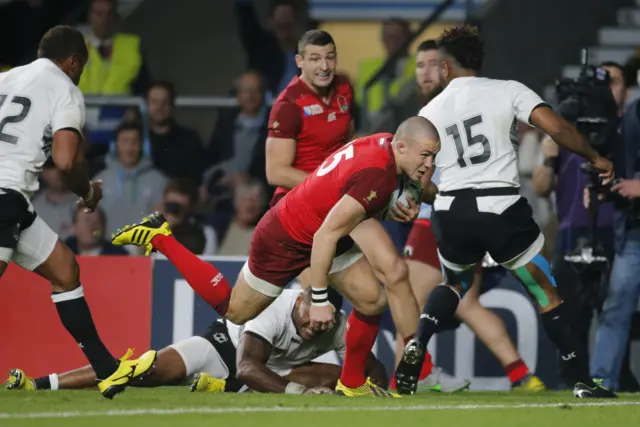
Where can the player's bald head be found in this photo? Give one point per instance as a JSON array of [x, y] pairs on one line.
[[416, 129]]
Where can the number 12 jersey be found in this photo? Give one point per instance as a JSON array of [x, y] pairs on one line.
[[476, 119], [36, 100]]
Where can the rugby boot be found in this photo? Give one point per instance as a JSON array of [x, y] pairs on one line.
[[141, 234], [366, 389], [206, 383], [18, 380], [439, 380], [127, 371], [595, 390], [530, 383], [408, 371]]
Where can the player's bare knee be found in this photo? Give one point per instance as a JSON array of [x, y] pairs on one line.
[[237, 315], [372, 303], [67, 276], [394, 274]]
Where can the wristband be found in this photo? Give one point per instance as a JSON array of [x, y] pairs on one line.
[[319, 296], [294, 388]]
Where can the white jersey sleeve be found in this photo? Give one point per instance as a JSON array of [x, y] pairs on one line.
[[524, 100], [70, 112], [271, 324]]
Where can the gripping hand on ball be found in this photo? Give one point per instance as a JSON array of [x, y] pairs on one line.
[[408, 212]]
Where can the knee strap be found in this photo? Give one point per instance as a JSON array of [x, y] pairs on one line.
[[531, 284]]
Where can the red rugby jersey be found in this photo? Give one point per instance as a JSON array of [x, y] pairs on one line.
[[365, 169], [319, 129]]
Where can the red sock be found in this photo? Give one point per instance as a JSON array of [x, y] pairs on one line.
[[203, 277], [362, 331], [516, 371]]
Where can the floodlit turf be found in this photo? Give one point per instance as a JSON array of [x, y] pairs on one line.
[[175, 406]]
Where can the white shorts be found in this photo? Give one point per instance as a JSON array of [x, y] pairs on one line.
[[35, 244]]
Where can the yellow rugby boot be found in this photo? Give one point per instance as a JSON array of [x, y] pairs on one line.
[[366, 389], [530, 384], [127, 371], [140, 234], [206, 383], [18, 380]]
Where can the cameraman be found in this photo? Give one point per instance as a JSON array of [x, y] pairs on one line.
[[579, 286], [611, 345]]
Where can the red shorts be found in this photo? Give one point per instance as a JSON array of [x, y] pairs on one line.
[[276, 197], [421, 244], [276, 258]]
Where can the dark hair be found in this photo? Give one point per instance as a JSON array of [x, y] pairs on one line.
[[613, 64], [314, 38], [463, 43], [401, 22], [274, 4], [183, 186], [163, 84], [127, 126], [62, 42], [427, 45]]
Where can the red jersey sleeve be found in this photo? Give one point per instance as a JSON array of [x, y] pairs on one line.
[[285, 120], [371, 187]]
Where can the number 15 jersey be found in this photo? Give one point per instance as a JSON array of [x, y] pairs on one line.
[[36, 100], [476, 119]]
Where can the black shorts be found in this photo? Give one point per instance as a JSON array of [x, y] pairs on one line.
[[465, 234], [15, 217], [218, 335]]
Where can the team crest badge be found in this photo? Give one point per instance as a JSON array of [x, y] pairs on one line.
[[372, 196], [342, 103]]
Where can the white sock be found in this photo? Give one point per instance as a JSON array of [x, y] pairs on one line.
[[53, 380]]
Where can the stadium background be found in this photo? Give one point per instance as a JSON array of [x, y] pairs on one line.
[[198, 47]]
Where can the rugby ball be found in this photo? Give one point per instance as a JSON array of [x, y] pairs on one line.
[[412, 189]]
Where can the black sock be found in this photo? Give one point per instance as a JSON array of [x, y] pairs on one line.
[[76, 318], [440, 307], [576, 363], [43, 383]]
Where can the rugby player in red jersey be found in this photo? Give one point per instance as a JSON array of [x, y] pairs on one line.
[[311, 119], [317, 224]]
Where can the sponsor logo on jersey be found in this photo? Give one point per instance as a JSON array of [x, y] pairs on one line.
[[408, 251], [342, 103], [275, 125], [372, 195], [312, 110], [220, 337], [332, 117]]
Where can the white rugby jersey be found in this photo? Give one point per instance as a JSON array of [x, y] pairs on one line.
[[36, 100], [289, 350], [476, 120]]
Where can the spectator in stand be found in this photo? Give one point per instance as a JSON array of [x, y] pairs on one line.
[[237, 149], [116, 66], [54, 202], [272, 52], [394, 33], [89, 235], [131, 185], [175, 150], [178, 207], [250, 201]]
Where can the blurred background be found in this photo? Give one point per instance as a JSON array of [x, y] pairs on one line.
[[172, 86]]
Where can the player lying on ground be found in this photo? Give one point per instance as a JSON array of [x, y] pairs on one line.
[[231, 358], [478, 208], [425, 271], [42, 114], [320, 220]]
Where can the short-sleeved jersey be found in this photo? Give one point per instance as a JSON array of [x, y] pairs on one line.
[[364, 169], [476, 119], [36, 100], [319, 129], [275, 326]]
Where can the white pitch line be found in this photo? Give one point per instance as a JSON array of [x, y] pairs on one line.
[[272, 409]]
